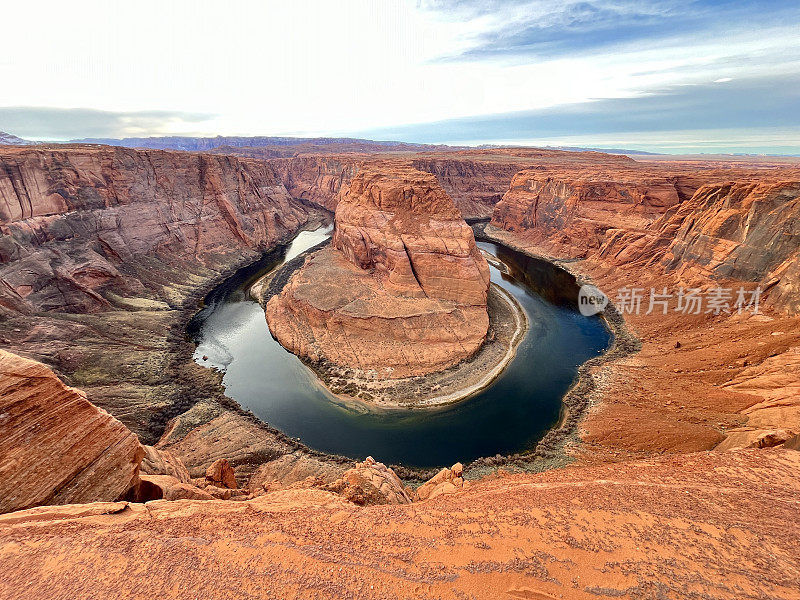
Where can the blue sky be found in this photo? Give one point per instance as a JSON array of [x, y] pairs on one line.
[[671, 76]]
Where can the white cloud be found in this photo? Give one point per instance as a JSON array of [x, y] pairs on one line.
[[317, 67]]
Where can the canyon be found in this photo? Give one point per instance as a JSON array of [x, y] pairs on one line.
[[683, 452]]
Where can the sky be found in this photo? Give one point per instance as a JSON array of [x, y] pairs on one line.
[[669, 76]]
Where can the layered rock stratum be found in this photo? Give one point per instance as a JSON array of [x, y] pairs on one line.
[[402, 290], [82, 227], [55, 446], [739, 231], [743, 230], [475, 180], [703, 380]]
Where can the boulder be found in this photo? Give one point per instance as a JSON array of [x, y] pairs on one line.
[[776, 437], [291, 468], [219, 493], [369, 483], [221, 474], [446, 481], [165, 487]]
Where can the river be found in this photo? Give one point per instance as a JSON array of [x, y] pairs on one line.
[[509, 416]]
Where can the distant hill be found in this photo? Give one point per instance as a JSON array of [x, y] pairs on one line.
[[6, 139], [583, 149], [203, 144], [605, 150]]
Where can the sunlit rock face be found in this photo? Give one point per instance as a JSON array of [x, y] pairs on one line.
[[744, 231], [578, 210], [697, 227], [402, 289], [406, 229]]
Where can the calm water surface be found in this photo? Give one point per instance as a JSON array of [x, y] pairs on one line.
[[510, 416]]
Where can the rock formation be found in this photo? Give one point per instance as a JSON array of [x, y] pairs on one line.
[[104, 255], [317, 179], [104, 251], [370, 483], [163, 462], [584, 206], [703, 381], [165, 487], [221, 474], [726, 233], [401, 292], [55, 446], [474, 179], [714, 525], [446, 481], [474, 185], [739, 231]]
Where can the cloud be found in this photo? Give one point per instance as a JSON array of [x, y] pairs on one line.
[[48, 123], [364, 65], [549, 28], [763, 103]]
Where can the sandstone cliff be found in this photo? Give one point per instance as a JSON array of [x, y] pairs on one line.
[[56, 447], [579, 208], [474, 185], [79, 222], [727, 233], [402, 291], [402, 226], [741, 231], [700, 381], [696, 228], [317, 179], [475, 181], [104, 255]]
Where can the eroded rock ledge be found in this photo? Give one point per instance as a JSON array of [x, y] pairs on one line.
[[402, 290]]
